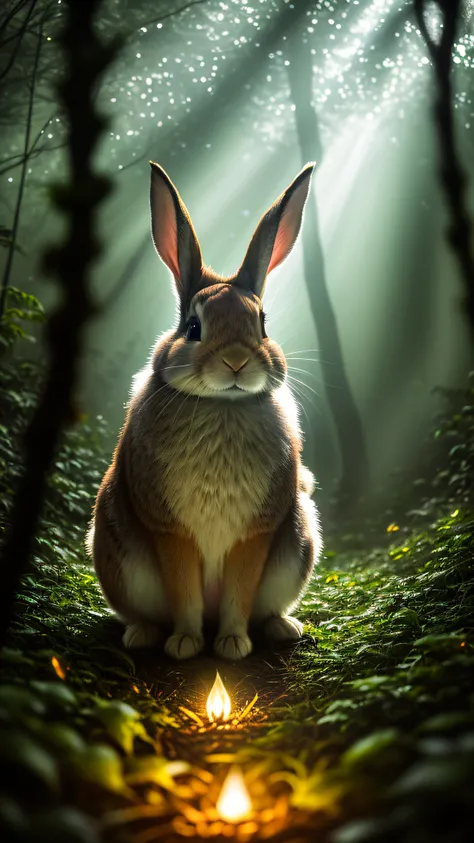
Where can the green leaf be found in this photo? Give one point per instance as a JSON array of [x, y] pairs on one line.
[[435, 775], [62, 737], [440, 642], [55, 694], [65, 824], [453, 721], [370, 683], [406, 616], [19, 700], [13, 820], [101, 765], [121, 722], [27, 762], [153, 769], [12, 656], [367, 749]]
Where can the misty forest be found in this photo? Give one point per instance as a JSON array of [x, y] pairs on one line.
[[361, 728]]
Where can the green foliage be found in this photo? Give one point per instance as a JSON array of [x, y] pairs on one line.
[[443, 482], [79, 465], [386, 697], [6, 239], [373, 737], [20, 307]]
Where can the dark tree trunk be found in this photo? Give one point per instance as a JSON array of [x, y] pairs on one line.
[[71, 263], [453, 177], [353, 452]]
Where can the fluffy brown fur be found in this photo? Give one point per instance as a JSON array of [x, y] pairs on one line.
[[206, 508]]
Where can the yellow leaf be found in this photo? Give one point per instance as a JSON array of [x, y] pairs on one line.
[[392, 528], [153, 769]]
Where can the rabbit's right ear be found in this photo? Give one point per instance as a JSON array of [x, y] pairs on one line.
[[173, 233], [275, 234]]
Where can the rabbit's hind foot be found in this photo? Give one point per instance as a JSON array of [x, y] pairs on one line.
[[283, 629], [184, 645], [141, 634]]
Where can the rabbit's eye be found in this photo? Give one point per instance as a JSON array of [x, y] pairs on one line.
[[193, 330], [262, 325]]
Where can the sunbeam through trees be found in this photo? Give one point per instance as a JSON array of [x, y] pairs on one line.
[[183, 658]]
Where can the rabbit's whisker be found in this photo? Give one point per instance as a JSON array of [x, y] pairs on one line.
[[295, 355], [180, 408], [153, 395], [177, 366], [194, 413], [295, 391], [306, 386], [303, 371], [299, 391], [168, 403], [309, 359], [302, 351]]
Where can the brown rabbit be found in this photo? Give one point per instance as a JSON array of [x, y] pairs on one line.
[[206, 508]]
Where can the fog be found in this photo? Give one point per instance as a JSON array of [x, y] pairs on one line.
[[206, 93]]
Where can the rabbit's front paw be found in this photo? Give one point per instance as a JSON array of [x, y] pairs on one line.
[[284, 629], [138, 635], [184, 645], [233, 646]]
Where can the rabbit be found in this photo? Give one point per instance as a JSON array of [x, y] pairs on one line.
[[206, 509]]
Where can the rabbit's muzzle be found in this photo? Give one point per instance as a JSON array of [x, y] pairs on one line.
[[235, 368], [236, 358]]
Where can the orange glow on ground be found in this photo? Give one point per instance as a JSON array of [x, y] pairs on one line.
[[233, 804]]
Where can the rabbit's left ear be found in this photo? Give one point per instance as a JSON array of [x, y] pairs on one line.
[[275, 234], [173, 233]]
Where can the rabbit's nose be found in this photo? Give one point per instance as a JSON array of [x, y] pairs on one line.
[[236, 359]]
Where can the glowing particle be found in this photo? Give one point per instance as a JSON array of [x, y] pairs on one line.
[[57, 668]]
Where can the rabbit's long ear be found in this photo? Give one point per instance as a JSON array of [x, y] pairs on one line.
[[173, 233], [275, 234]]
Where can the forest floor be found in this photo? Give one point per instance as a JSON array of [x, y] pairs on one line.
[[362, 732]]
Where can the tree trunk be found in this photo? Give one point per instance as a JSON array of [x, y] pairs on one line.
[[24, 166], [71, 262], [347, 422], [454, 180]]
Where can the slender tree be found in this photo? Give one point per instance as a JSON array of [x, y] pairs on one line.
[[19, 199], [353, 452], [453, 177]]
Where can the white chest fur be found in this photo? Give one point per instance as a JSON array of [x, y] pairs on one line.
[[217, 463]]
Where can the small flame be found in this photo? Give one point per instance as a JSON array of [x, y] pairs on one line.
[[234, 802], [218, 704]]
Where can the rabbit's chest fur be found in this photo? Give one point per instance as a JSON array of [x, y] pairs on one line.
[[213, 464]]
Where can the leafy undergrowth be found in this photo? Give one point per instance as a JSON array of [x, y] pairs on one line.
[[363, 732]]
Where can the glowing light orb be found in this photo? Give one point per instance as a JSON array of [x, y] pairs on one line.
[[234, 804]]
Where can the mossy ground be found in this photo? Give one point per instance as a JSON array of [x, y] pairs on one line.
[[362, 732]]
